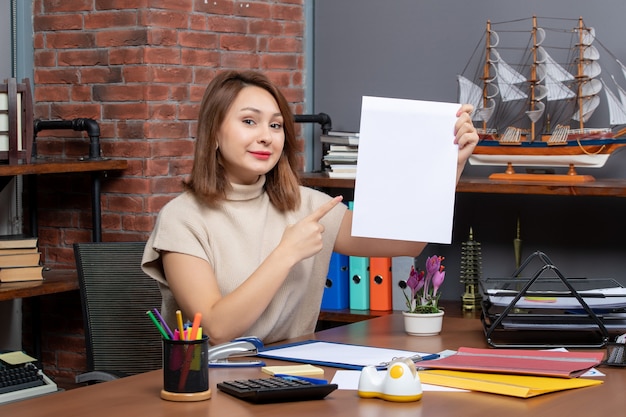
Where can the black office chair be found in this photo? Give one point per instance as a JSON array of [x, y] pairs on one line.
[[120, 338]]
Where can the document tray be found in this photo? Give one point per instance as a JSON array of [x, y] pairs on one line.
[[525, 312]]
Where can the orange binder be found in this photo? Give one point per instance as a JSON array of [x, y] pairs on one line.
[[380, 284]]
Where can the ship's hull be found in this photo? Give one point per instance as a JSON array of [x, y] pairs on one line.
[[587, 153]]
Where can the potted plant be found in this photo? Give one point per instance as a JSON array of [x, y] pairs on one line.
[[424, 316]]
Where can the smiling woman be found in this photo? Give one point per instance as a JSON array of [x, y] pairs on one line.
[[247, 246]]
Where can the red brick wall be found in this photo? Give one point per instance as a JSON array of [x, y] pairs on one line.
[[138, 67]]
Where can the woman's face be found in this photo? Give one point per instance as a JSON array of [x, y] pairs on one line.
[[251, 138]]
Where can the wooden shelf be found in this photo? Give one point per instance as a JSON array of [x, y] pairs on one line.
[[321, 180], [40, 166], [601, 187], [54, 282], [350, 316], [57, 166]]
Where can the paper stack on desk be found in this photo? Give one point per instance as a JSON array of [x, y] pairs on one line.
[[551, 363], [523, 386], [520, 372]]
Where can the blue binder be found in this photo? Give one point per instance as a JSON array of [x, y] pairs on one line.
[[337, 292], [359, 283]]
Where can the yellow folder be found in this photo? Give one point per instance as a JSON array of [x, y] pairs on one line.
[[522, 386]]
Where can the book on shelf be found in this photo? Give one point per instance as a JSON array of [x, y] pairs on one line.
[[339, 158], [343, 167], [340, 138], [341, 155], [343, 148], [342, 175], [20, 259], [342, 133], [16, 251], [18, 241], [22, 273], [342, 171]]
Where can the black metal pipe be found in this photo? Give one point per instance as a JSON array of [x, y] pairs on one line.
[[79, 124], [322, 118]]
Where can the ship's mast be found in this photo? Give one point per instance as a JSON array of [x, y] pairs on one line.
[[486, 70], [533, 78], [580, 76]]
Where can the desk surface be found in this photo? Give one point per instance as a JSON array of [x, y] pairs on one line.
[[53, 282], [139, 395]]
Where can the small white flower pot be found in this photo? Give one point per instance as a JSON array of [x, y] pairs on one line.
[[419, 324]]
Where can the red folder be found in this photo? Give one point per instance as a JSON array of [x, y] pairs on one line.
[[519, 361], [380, 284]]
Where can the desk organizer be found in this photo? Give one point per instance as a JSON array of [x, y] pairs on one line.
[[550, 311], [615, 354]]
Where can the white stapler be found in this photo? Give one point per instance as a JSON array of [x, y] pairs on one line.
[[242, 346]]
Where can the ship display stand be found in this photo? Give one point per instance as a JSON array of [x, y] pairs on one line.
[[548, 310]]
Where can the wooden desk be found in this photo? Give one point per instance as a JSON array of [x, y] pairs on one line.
[[53, 166], [139, 395]]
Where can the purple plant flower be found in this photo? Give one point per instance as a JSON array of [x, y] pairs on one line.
[[415, 281], [438, 278], [432, 264], [425, 286]]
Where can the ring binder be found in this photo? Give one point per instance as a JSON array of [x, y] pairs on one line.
[[515, 307]]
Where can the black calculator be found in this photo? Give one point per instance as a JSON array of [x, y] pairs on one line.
[[278, 389]]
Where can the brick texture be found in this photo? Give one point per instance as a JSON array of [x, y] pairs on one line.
[[139, 68]]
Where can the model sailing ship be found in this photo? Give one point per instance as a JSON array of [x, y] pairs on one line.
[[535, 112]]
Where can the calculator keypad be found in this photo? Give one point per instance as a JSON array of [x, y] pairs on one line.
[[275, 389]]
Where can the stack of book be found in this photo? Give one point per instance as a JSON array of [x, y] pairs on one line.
[[340, 154], [20, 259]]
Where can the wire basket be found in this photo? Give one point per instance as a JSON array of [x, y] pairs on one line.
[[615, 354]]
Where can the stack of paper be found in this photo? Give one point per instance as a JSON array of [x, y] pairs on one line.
[[523, 386], [521, 373], [552, 363]]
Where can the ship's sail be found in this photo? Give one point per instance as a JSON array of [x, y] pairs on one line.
[[622, 67], [472, 94], [554, 76], [507, 78], [617, 107]]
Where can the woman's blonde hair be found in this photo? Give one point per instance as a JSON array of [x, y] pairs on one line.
[[208, 178]]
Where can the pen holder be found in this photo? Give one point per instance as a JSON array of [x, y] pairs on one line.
[[186, 370], [615, 354]]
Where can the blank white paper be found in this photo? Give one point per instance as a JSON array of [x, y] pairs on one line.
[[406, 170]]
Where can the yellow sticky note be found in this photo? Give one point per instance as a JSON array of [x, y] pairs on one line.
[[16, 358], [296, 370]]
